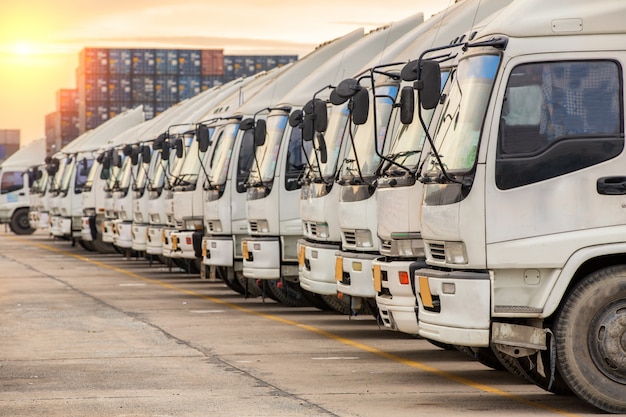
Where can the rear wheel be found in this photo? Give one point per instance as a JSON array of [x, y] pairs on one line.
[[87, 245], [591, 339], [19, 224]]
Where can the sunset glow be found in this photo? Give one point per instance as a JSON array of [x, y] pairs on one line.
[[40, 40]]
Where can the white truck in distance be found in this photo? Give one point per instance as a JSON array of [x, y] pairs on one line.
[[15, 182], [523, 208]]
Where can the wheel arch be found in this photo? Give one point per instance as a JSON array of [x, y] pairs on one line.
[[582, 263]]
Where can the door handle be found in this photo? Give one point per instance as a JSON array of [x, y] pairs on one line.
[[611, 185]]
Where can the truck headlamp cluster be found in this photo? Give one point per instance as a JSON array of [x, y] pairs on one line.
[[455, 253], [193, 224], [321, 230], [363, 238]]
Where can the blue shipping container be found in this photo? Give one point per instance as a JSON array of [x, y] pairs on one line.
[[120, 61], [189, 62], [143, 88], [96, 88], [166, 61], [143, 61], [188, 86], [94, 60], [120, 88], [166, 88]]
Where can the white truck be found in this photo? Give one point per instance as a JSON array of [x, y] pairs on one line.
[[92, 191], [225, 201], [38, 210], [398, 227], [273, 198], [187, 203], [15, 182], [523, 207]]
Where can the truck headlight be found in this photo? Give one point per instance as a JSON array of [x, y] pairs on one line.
[[363, 238], [321, 230], [123, 215], [89, 212], [193, 224], [262, 226], [455, 253]]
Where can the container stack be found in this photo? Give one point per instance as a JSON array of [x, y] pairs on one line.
[[9, 143], [111, 81], [62, 125]]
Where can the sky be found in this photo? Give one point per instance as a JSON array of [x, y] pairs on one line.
[[40, 39]]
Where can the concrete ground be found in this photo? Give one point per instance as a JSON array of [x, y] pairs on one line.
[[86, 334]]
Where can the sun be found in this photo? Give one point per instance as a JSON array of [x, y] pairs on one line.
[[23, 48]]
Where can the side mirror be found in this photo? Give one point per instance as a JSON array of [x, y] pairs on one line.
[[360, 107], [165, 151], [157, 144], [246, 124], [259, 132], [178, 145], [409, 71], [322, 148], [308, 128], [106, 160], [134, 155], [202, 133], [128, 150], [348, 88], [336, 99], [429, 84], [296, 118], [321, 115], [38, 174], [146, 155], [116, 159], [407, 105], [84, 164]]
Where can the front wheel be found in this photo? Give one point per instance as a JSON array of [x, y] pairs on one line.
[[20, 225], [591, 339]]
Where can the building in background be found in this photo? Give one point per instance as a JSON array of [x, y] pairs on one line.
[[9, 143]]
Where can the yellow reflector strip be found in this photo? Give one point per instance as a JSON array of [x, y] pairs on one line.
[[378, 286], [174, 242], [244, 249], [301, 250], [338, 268], [425, 295], [204, 249]]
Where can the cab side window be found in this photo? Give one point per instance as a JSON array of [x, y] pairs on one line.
[[557, 118]]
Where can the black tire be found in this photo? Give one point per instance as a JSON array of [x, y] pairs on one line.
[[19, 224], [339, 305], [316, 300], [526, 368], [233, 284], [287, 292], [485, 355], [87, 245], [249, 286], [590, 332]]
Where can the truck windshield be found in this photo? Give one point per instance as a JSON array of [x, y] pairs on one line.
[[223, 149], [333, 137], [408, 139], [190, 169], [458, 131], [58, 176], [40, 185], [267, 154], [364, 142]]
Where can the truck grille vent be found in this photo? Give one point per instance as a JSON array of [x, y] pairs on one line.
[[253, 227], [437, 251], [350, 237]]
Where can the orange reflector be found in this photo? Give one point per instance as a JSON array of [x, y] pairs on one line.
[[404, 278]]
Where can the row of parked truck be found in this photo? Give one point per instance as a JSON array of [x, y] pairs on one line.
[[462, 178]]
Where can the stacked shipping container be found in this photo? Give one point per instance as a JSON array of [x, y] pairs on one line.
[[111, 81], [9, 143], [62, 125]]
